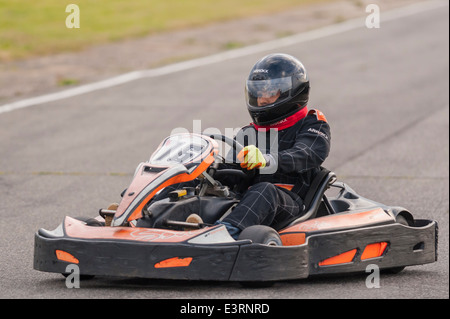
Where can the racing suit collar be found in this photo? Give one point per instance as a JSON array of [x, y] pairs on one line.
[[285, 123]]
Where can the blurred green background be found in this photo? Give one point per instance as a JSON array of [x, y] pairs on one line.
[[37, 27]]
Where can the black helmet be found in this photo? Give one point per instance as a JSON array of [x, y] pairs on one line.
[[277, 87]]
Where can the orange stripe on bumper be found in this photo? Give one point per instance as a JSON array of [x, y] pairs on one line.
[[65, 256], [174, 262]]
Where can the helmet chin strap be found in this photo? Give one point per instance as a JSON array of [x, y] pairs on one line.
[[284, 123]]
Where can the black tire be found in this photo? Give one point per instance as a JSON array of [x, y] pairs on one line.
[[260, 234], [82, 277], [401, 220], [90, 221]]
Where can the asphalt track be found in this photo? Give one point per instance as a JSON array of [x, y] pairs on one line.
[[384, 92]]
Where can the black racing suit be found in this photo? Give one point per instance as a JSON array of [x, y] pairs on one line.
[[294, 156]]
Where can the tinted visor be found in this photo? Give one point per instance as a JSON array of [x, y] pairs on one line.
[[267, 92]]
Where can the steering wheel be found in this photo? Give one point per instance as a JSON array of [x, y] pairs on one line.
[[245, 175]]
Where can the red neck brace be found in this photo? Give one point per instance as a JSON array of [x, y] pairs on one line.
[[285, 123]]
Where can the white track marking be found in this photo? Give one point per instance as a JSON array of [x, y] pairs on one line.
[[228, 55]]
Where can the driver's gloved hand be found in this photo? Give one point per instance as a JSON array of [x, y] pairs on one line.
[[251, 157]]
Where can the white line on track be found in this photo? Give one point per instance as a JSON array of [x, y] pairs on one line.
[[219, 57]]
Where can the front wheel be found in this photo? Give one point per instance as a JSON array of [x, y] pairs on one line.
[[90, 221], [260, 234], [82, 277], [265, 235]]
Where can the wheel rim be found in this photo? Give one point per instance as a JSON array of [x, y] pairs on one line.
[[272, 242]]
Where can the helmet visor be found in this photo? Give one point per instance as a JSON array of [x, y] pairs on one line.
[[267, 92]]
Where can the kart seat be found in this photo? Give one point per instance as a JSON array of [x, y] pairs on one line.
[[323, 180]]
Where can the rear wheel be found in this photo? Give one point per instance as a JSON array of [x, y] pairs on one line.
[[401, 220]]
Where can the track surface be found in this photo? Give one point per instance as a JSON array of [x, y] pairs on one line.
[[384, 92]]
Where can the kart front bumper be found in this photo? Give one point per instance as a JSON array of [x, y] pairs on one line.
[[238, 260]]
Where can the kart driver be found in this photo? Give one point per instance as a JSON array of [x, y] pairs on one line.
[[277, 93]]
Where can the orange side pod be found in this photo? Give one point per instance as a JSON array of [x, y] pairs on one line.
[[292, 239]]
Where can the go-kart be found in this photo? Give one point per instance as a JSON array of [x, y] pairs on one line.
[[147, 235]]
